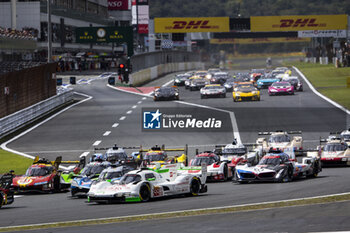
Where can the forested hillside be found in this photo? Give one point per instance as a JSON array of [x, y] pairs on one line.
[[245, 8]]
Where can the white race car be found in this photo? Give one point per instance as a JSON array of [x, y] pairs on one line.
[[145, 184], [335, 152], [281, 140]]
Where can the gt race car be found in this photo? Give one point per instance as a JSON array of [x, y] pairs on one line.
[[213, 90], [42, 176], [280, 140], [166, 93], [281, 88], [266, 81], [180, 79], [6, 191], [245, 92], [144, 184], [197, 84], [278, 166], [295, 82]]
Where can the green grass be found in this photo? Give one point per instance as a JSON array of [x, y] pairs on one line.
[[328, 80], [10, 161]]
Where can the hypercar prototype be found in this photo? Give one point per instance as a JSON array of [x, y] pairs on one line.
[[280, 140], [335, 152], [278, 166], [144, 184], [245, 92], [345, 136], [216, 170], [166, 93], [81, 184], [295, 82], [213, 90], [281, 88], [42, 176], [6, 191], [159, 155]]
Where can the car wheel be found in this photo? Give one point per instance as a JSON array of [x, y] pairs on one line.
[[258, 99], [73, 192], [225, 172], [145, 193], [234, 99], [191, 89], [195, 186], [56, 184], [223, 95], [1, 200], [287, 177]]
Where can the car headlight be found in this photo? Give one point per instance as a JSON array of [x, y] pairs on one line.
[[74, 183], [177, 80], [254, 92], [273, 90], [227, 86], [176, 93], [238, 94]]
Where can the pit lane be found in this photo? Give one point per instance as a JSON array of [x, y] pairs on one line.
[[77, 129]]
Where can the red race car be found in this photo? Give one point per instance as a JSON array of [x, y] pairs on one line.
[[42, 176]]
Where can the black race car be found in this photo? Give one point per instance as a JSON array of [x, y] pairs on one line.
[[166, 93], [180, 79]]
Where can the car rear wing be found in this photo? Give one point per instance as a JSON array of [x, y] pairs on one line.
[[58, 161], [6, 180], [280, 131], [162, 148]]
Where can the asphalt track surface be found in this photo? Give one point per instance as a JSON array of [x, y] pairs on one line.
[[76, 130]]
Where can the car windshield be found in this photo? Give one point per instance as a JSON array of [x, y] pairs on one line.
[[155, 156], [270, 160], [198, 161], [91, 170], [117, 155], [111, 175], [129, 178], [345, 137], [39, 171], [279, 138], [246, 88], [212, 87], [335, 147], [279, 85]]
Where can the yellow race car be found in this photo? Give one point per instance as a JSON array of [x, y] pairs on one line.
[[245, 91]]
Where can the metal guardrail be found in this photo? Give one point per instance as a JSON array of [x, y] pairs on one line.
[[25, 116]]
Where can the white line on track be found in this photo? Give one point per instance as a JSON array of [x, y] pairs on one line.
[[122, 118], [4, 145], [140, 102], [319, 94], [96, 143], [107, 133], [84, 154], [130, 92], [167, 83], [115, 125], [133, 107], [129, 112], [144, 98]]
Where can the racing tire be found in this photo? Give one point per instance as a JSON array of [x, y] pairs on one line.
[[1, 200], [145, 193], [56, 184], [258, 99], [225, 172], [287, 177], [223, 95], [191, 89], [195, 187], [315, 170]]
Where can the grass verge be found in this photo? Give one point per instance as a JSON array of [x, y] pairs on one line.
[[328, 80], [10, 161]]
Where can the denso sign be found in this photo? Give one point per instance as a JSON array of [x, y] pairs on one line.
[[298, 23], [183, 25]]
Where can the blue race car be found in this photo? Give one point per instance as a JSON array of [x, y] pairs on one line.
[[266, 81]]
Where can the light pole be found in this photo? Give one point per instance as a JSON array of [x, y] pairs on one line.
[[49, 34]]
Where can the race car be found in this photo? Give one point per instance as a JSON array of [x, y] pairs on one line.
[[144, 184], [6, 191], [280, 140], [217, 170], [188, 81], [281, 88], [213, 90], [245, 91], [334, 152], [294, 81], [219, 78], [82, 183], [266, 81], [166, 93], [42, 176], [180, 79], [345, 136], [278, 166], [114, 172], [197, 84]]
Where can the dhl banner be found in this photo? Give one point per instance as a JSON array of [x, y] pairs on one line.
[[298, 23], [258, 40], [197, 24]]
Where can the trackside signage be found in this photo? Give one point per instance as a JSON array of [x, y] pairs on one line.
[[298, 23], [258, 40], [197, 24]]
